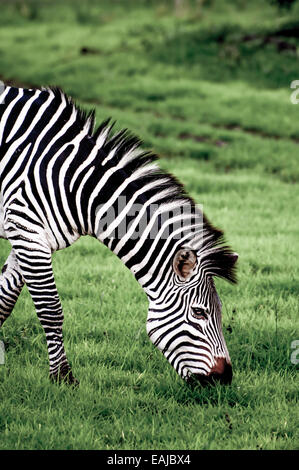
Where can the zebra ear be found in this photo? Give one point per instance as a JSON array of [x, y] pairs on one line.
[[184, 263]]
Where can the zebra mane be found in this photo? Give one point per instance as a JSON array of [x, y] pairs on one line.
[[217, 257], [84, 118]]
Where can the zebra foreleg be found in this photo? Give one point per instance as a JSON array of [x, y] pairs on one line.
[[38, 274], [11, 283], [35, 263]]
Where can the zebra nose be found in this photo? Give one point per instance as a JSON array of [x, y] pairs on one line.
[[221, 372]]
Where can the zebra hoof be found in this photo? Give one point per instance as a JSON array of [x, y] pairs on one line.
[[64, 375]]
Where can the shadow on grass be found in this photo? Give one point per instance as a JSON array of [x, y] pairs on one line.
[[263, 58]]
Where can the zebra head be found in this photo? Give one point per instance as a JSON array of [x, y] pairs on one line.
[[184, 321]]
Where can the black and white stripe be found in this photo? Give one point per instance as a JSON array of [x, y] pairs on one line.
[[60, 179]]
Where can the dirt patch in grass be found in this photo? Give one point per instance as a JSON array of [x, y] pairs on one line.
[[198, 138]]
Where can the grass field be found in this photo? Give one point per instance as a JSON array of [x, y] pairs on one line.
[[207, 87]]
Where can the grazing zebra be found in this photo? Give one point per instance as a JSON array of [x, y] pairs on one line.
[[59, 180]]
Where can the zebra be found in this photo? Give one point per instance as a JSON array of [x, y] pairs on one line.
[[60, 178]]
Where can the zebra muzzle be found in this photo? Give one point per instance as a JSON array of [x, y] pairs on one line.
[[221, 373]]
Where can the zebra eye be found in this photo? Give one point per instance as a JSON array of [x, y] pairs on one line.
[[199, 313]]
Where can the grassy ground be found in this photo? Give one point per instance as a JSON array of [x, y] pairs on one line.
[[208, 88]]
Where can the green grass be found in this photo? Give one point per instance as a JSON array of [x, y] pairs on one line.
[[217, 109]]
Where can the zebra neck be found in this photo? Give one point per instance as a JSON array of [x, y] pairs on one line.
[[145, 235]]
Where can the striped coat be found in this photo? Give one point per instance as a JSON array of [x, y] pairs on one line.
[[60, 180]]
